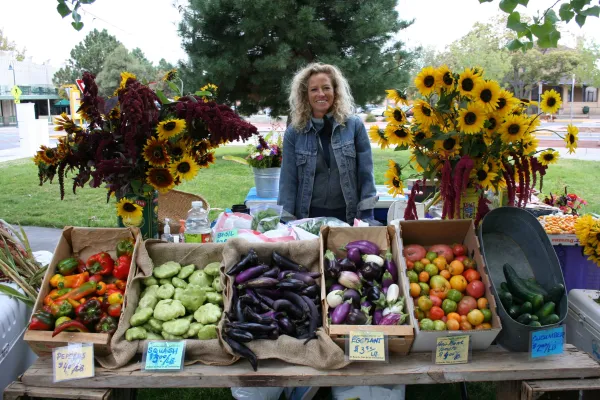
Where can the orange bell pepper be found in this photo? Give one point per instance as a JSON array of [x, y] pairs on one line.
[[100, 288], [71, 281]]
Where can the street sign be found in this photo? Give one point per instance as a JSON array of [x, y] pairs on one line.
[[16, 93], [80, 84]]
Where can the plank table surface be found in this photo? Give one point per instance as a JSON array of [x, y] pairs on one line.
[[493, 364]]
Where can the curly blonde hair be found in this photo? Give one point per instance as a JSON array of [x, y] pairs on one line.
[[343, 103]]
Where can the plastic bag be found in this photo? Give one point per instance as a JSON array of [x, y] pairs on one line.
[[256, 393], [387, 392], [227, 221], [265, 217], [313, 225]]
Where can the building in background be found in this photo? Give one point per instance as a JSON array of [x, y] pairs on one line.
[[35, 82]]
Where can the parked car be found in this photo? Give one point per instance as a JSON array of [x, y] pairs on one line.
[[377, 111], [408, 110]]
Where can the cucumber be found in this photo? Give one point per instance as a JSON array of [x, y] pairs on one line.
[[526, 308], [534, 286], [550, 319], [535, 324], [546, 310], [535, 318], [524, 319], [556, 293], [504, 286], [506, 299], [518, 288], [513, 311]]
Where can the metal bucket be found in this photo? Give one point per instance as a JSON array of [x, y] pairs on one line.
[[266, 181]]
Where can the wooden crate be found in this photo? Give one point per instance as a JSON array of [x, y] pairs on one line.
[[400, 337], [82, 243]]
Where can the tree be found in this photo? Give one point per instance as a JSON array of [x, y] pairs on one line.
[[147, 64], [587, 71], [8, 45], [251, 49], [88, 55], [118, 61]]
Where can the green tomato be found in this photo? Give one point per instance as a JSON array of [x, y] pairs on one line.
[[413, 277], [431, 255], [454, 295], [487, 314], [439, 325], [419, 267], [431, 269], [424, 288], [419, 314], [426, 324], [424, 303], [449, 306]]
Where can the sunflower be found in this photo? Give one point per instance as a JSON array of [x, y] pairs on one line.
[[377, 135], [177, 149], [593, 253], [594, 235], [170, 128], [398, 135], [185, 168], [423, 113], [128, 210], [415, 164], [48, 155], [583, 225], [467, 82], [486, 93], [395, 115], [205, 160], [551, 102], [471, 119], [530, 144], [125, 76], [513, 129], [425, 81], [444, 78], [397, 96], [155, 152], [209, 87], [483, 177], [549, 156], [170, 75], [493, 122], [506, 102], [393, 182], [160, 179], [420, 135], [571, 138], [448, 147]]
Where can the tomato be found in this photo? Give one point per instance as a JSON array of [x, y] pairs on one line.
[[454, 295], [486, 325], [456, 267], [419, 314], [449, 306], [475, 317], [424, 288], [431, 269], [409, 265], [419, 267], [469, 263], [459, 249], [454, 316], [453, 325], [412, 276], [440, 262], [431, 255], [458, 282], [415, 290], [436, 313], [425, 261], [440, 293], [476, 289], [435, 300], [439, 325], [446, 274], [426, 324], [471, 275], [424, 277], [482, 303], [487, 314], [467, 304], [414, 252], [425, 303], [465, 326]]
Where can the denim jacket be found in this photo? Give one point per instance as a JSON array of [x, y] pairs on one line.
[[352, 151]]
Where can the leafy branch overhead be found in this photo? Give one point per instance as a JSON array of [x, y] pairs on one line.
[[543, 28], [66, 7]]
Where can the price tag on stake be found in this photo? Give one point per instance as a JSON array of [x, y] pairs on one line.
[[367, 346], [164, 356], [547, 342], [75, 361], [452, 350]]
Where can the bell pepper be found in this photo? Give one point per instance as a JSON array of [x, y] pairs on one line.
[[107, 324], [120, 284], [71, 326], [61, 309], [115, 298], [125, 247], [100, 288], [89, 312], [100, 263], [74, 303], [41, 321], [96, 278], [71, 281], [80, 292], [114, 310], [69, 266], [122, 267], [55, 294]]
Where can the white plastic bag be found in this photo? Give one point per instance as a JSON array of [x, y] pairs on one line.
[[387, 392], [256, 393]]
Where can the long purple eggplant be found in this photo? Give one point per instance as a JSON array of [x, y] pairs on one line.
[[390, 266], [296, 300], [291, 284], [251, 273], [301, 277], [252, 316], [364, 246], [265, 300], [252, 327], [285, 263], [289, 308], [248, 261], [338, 316], [387, 279], [312, 291], [313, 318], [286, 326], [272, 273], [271, 293], [259, 283], [239, 335], [336, 286], [243, 351], [314, 275]]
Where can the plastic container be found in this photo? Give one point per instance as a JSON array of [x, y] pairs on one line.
[[578, 271], [514, 236], [583, 321], [197, 225]]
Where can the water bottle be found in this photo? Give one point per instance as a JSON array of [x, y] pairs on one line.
[[197, 226]]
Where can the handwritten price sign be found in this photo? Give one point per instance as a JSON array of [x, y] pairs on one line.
[[366, 346], [547, 342], [164, 356], [224, 236], [452, 350], [75, 361]]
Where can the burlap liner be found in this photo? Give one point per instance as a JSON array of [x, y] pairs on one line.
[[155, 252], [321, 353]]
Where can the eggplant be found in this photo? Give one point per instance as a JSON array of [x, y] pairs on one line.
[[336, 286], [390, 266], [239, 314], [272, 273], [314, 275], [288, 307], [353, 295], [353, 254], [249, 260], [364, 246], [335, 298], [270, 293], [349, 280], [298, 302], [291, 284], [301, 277], [347, 265], [377, 316], [265, 303], [393, 319], [386, 279], [273, 335], [311, 291], [242, 351], [250, 273], [332, 268], [313, 318], [239, 335], [339, 314], [259, 283], [251, 316], [285, 264], [366, 306], [286, 326], [281, 275], [357, 317], [371, 271], [252, 327]]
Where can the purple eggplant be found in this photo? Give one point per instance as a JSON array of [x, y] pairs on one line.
[[314, 275], [243, 351], [259, 283], [374, 293], [390, 266], [312, 291], [387, 280], [285, 263], [286, 326], [371, 271], [338, 316], [281, 275], [357, 317], [366, 306], [313, 318], [347, 265], [251, 273], [291, 284], [364, 246], [392, 319], [353, 295], [336, 286], [354, 255], [301, 277], [272, 273], [239, 335], [251, 316], [248, 261], [297, 300], [332, 268], [287, 307], [349, 280], [271, 293], [265, 303], [251, 327], [378, 316]]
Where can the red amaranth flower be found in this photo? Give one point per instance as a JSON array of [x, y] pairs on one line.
[[447, 191], [410, 213], [482, 208], [462, 170], [91, 105]]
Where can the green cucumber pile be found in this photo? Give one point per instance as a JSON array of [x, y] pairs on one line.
[[527, 302]]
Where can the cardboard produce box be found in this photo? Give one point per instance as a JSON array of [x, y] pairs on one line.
[[81, 243], [400, 337], [428, 233]]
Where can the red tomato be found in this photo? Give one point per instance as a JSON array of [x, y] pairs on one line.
[[471, 275], [458, 249], [476, 289], [436, 300], [436, 313]]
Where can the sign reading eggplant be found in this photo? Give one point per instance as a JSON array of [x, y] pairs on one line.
[[367, 346]]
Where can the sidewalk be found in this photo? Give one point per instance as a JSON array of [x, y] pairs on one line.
[[42, 238]]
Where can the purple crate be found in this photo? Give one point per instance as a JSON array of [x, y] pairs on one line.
[[578, 271]]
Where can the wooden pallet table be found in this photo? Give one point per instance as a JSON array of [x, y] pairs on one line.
[[494, 364]]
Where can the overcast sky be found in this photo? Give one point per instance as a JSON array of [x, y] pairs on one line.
[[152, 25]]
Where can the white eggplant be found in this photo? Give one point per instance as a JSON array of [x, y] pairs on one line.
[[373, 258], [335, 298], [393, 293]]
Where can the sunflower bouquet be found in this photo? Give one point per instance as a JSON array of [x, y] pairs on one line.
[[139, 141], [587, 229], [469, 134]]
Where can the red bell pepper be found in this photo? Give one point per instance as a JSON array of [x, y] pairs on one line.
[[72, 325], [107, 324], [125, 247], [122, 268], [100, 263], [41, 321], [89, 312], [114, 310]]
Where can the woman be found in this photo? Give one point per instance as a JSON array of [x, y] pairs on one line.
[[327, 167]]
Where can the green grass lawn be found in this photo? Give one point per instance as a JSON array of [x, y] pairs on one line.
[[23, 201]]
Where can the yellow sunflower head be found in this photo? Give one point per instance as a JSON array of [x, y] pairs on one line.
[[395, 115], [425, 81], [547, 157], [423, 113], [377, 135], [209, 87], [483, 177], [493, 123], [204, 160], [415, 164], [394, 181], [448, 147], [513, 129], [170, 75], [177, 149], [506, 102], [471, 120], [48, 155], [156, 152], [397, 96], [129, 210], [583, 225], [170, 128], [486, 93], [184, 168], [468, 81], [530, 144], [551, 102], [571, 138], [594, 235], [398, 135], [421, 134], [125, 76], [160, 179], [64, 123], [444, 78]]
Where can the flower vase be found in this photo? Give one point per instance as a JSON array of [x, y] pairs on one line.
[[266, 181], [148, 222]]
